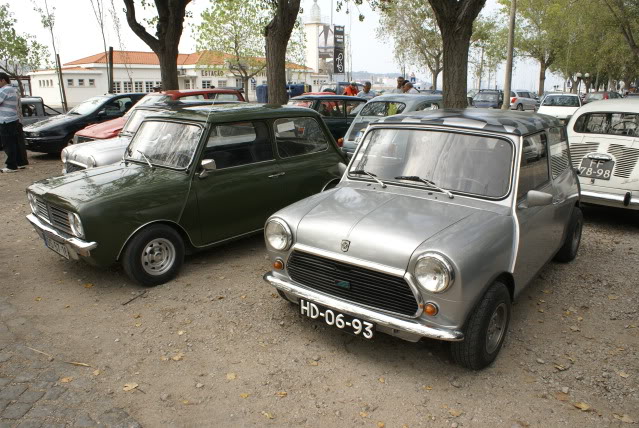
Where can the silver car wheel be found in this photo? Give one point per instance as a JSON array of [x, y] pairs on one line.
[[496, 328], [158, 256]]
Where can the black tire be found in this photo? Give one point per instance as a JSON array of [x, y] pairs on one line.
[[568, 251], [520, 107], [154, 255], [479, 349]]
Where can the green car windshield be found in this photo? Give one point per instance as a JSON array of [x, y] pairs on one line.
[[470, 164], [167, 144], [135, 119]]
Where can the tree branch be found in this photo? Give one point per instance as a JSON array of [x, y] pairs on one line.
[[138, 28]]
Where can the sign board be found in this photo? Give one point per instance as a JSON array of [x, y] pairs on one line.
[[339, 66]]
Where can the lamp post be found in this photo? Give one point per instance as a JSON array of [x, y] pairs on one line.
[[578, 75], [586, 76]]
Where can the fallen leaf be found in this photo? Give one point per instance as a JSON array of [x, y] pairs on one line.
[[75, 363], [560, 367], [181, 332], [313, 363], [381, 380], [138, 324], [567, 313], [231, 376], [574, 328], [363, 414], [87, 285], [268, 415], [428, 388], [130, 386], [455, 413], [381, 424], [185, 402], [164, 358], [631, 326], [612, 297], [542, 301], [546, 291], [178, 356], [281, 394], [540, 310], [37, 299], [137, 316], [562, 396], [580, 318], [220, 297], [624, 375], [581, 406], [67, 306], [66, 379], [243, 296], [96, 372], [244, 395], [625, 418]]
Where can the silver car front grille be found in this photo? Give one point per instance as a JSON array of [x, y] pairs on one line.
[[56, 216]]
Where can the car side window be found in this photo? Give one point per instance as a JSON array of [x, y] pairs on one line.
[[193, 97], [351, 108], [533, 170], [299, 136], [240, 143], [424, 106], [29, 109], [330, 109], [559, 152]]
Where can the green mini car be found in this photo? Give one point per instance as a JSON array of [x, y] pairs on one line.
[[191, 178]]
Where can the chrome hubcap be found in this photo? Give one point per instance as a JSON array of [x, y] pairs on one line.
[[496, 328], [158, 256]]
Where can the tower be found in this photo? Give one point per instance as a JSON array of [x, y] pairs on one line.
[[312, 29]]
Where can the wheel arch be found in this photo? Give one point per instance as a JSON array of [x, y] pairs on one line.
[[188, 244], [509, 281]]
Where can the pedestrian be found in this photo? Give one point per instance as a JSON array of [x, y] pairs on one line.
[[351, 90], [409, 89], [21, 157], [366, 92], [9, 130], [400, 85]]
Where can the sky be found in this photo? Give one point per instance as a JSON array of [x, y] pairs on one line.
[[78, 35]]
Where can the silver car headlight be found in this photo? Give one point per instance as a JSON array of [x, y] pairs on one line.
[[32, 202], [434, 272], [278, 235], [64, 155], [76, 225]]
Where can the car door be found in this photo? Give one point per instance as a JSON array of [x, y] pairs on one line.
[[527, 100], [306, 156], [241, 192], [538, 240], [564, 181]]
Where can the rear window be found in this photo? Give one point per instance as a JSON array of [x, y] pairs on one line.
[[592, 97], [382, 108], [560, 101], [608, 123]]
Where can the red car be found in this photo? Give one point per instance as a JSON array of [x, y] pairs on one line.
[[111, 128]]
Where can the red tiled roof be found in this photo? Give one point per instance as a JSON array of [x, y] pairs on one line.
[[150, 58]]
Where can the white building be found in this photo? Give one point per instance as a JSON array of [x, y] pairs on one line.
[[140, 72]]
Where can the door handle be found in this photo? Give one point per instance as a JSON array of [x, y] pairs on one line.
[[279, 174]]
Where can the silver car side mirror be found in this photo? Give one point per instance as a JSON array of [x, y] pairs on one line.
[[207, 165], [535, 198]]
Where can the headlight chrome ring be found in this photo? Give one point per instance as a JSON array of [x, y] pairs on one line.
[[33, 203], [434, 272], [76, 225], [278, 235]]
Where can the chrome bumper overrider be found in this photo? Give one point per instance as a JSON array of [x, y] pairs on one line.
[[76, 247], [407, 326], [610, 199]]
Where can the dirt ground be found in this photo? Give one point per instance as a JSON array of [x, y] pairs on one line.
[[218, 347]]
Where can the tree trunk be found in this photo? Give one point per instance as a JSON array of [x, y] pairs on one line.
[[435, 74], [542, 77], [277, 34], [168, 67], [245, 84]]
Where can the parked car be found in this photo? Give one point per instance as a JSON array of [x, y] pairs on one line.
[[632, 94], [604, 143], [338, 111], [95, 153], [53, 134], [603, 95], [338, 87], [383, 106], [111, 128], [34, 110], [521, 99], [562, 106], [489, 98], [191, 178], [438, 225]]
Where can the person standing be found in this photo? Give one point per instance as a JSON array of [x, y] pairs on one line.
[[409, 89], [366, 92], [9, 130], [400, 86], [351, 90]]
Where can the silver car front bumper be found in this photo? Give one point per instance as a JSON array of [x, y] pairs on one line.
[[76, 247], [621, 200], [387, 323]]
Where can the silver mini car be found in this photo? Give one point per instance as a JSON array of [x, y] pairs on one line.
[[439, 223]]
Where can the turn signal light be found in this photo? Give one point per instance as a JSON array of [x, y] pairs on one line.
[[278, 265], [340, 142], [431, 309]]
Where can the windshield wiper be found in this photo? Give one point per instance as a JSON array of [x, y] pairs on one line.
[[371, 175], [423, 180], [145, 158]]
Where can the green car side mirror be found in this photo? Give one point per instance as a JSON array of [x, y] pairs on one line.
[[207, 165]]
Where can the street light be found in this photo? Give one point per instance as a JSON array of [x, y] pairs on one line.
[[586, 76]]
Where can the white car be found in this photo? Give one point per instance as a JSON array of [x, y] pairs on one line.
[[561, 105], [604, 146]]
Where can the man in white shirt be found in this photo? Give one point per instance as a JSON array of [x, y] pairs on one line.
[[9, 121], [366, 92], [400, 86], [409, 89]]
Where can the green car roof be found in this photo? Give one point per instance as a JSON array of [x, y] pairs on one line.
[[232, 112]]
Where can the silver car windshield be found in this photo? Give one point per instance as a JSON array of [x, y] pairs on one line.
[[472, 164], [135, 119], [168, 144]]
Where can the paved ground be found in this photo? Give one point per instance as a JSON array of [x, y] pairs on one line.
[[217, 347]]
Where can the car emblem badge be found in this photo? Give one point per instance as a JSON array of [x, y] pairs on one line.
[[343, 284], [345, 245]]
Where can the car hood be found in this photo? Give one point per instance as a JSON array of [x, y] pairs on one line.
[[557, 111], [103, 130], [108, 182], [104, 152], [52, 122], [382, 227]]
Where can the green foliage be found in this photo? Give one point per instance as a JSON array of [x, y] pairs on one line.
[[19, 53], [488, 46]]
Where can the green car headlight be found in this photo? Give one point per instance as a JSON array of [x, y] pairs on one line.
[[278, 235], [434, 272], [76, 225]]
